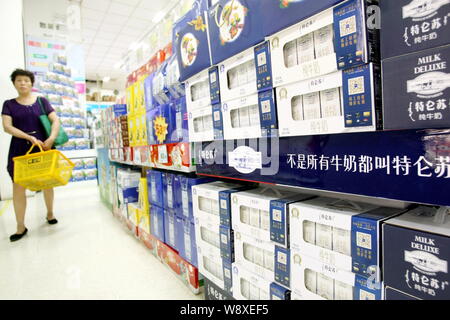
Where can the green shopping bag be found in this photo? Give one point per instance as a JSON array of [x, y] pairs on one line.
[[62, 135]]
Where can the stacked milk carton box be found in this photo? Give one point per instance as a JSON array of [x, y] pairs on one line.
[[211, 204], [127, 189], [325, 69], [415, 48], [416, 255], [336, 249], [261, 267], [156, 200]]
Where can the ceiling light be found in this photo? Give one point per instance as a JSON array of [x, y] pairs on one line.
[[157, 18]]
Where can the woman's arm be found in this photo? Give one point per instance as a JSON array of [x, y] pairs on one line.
[[10, 129], [48, 144]]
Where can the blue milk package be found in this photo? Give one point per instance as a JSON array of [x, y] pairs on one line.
[[337, 38], [233, 26], [172, 79], [413, 25], [155, 188], [172, 192], [416, 255], [186, 194], [157, 223], [190, 41], [416, 90], [280, 14]]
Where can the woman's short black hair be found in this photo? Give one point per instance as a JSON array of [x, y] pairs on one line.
[[22, 72]]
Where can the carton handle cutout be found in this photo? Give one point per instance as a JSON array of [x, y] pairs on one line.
[[441, 214], [345, 204], [276, 192]]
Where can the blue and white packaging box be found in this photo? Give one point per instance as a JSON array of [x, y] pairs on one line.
[[207, 235], [227, 243], [278, 292], [155, 187], [283, 266], [128, 178], [249, 286], [338, 38], [218, 121], [186, 184], [255, 255], [200, 123], [172, 192], [237, 76], [198, 91], [159, 90], [210, 265], [249, 117], [416, 90], [171, 228], [393, 294], [263, 63], [181, 133], [207, 200], [413, 25], [214, 293], [187, 245], [252, 211], [314, 280], [214, 85], [128, 195], [150, 102], [338, 102], [416, 255], [190, 40], [157, 223], [168, 114], [225, 203], [172, 78], [278, 15], [233, 26], [119, 110], [341, 233]]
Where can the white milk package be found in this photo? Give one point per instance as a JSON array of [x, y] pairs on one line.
[[315, 280], [248, 286], [255, 211], [341, 233], [338, 102], [338, 38], [255, 255]]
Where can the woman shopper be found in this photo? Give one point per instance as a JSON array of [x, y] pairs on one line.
[[20, 117]]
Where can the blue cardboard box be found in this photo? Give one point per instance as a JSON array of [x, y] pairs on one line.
[[214, 85], [155, 188], [392, 294], [150, 118], [161, 124], [416, 90], [234, 26], [172, 78], [150, 102], [119, 110], [129, 195], [186, 184], [280, 14], [187, 246], [157, 222], [172, 192], [416, 255], [412, 26], [159, 91], [190, 41], [278, 292], [181, 133], [171, 228], [214, 292]]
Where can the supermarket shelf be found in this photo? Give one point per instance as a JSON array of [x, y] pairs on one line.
[[74, 154], [409, 166]]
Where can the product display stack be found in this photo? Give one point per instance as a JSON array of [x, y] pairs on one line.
[[289, 159]]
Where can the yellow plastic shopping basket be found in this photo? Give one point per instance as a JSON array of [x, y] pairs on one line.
[[42, 170]]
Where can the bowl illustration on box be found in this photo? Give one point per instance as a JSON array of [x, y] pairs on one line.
[[189, 49], [232, 21]]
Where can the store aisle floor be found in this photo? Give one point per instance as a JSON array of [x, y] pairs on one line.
[[87, 255]]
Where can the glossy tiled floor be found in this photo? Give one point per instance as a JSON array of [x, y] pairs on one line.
[[87, 255]]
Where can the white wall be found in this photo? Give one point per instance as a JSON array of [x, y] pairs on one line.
[[11, 57]]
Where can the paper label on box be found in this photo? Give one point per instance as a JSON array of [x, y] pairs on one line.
[[364, 240], [245, 159], [356, 85], [282, 258], [347, 26], [265, 106], [262, 59]]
